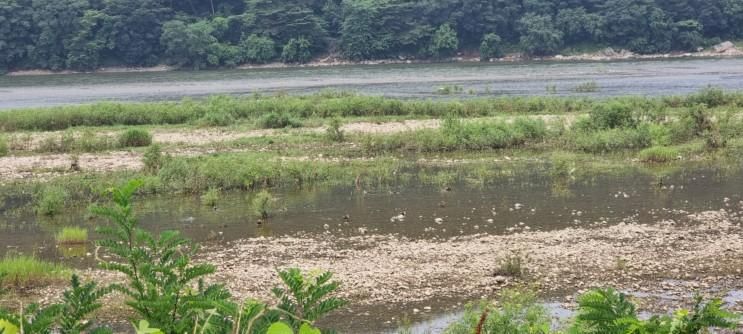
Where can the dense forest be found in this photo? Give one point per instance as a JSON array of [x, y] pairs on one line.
[[87, 34]]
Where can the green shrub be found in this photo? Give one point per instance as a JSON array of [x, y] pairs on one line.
[[23, 271], [211, 197], [153, 159], [612, 115], [611, 140], [135, 138], [216, 118], [710, 97], [512, 265], [72, 235], [278, 121], [258, 49], [334, 133], [491, 47], [517, 312], [262, 204], [51, 200], [658, 154], [297, 51], [4, 150]]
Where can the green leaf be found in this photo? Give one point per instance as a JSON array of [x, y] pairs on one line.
[[307, 329], [279, 328], [7, 328], [144, 328]]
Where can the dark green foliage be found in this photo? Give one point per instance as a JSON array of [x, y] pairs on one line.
[[84, 34], [258, 49], [539, 36], [78, 303], [278, 121], [297, 51], [307, 297], [491, 47], [153, 159], [444, 42], [605, 312], [135, 138], [612, 116], [163, 286], [334, 132]]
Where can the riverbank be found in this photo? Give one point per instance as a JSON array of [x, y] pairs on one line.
[[605, 55], [388, 278]]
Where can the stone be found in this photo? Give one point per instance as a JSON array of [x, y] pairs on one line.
[[724, 47]]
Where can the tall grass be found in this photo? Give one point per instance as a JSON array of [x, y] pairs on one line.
[[4, 150], [72, 235], [19, 270]]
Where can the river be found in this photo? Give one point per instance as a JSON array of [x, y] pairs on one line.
[[647, 77]]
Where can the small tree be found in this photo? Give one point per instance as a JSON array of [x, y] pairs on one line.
[[539, 35], [490, 47], [444, 42], [297, 50], [258, 49]]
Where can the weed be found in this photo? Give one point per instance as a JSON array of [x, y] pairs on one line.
[[334, 133], [658, 154], [587, 87], [4, 150], [153, 159], [211, 197], [517, 312], [278, 121], [307, 297], [612, 140], [135, 138], [449, 89], [51, 200], [262, 204], [23, 271], [511, 266], [551, 89], [72, 235], [217, 118]]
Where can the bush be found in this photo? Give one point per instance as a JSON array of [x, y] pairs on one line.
[[604, 141], [135, 138], [444, 42], [153, 159], [517, 312], [490, 47], [72, 235], [710, 96], [658, 154], [51, 200], [263, 204], [334, 132], [278, 121], [612, 115], [297, 51], [210, 198], [258, 49], [217, 118]]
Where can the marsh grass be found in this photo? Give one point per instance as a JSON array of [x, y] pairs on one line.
[[67, 142], [278, 121], [24, 271], [262, 204], [135, 138], [51, 200], [512, 266], [4, 147], [211, 197], [72, 236], [658, 154], [587, 87]]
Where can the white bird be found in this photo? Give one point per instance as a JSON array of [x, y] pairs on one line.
[[398, 218]]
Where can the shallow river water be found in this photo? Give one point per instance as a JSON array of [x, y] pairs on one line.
[[647, 77]]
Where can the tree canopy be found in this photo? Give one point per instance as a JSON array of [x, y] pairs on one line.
[[86, 34]]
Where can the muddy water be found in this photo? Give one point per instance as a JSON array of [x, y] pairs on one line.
[[649, 77], [524, 198]]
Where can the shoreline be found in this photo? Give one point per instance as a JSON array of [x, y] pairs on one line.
[[606, 55]]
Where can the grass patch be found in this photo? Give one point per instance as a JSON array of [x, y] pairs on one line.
[[72, 236], [135, 138], [224, 110], [24, 271], [278, 121], [612, 140], [210, 198], [51, 200], [658, 154], [587, 87], [4, 149]]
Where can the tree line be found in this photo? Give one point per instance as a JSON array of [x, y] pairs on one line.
[[87, 34]]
